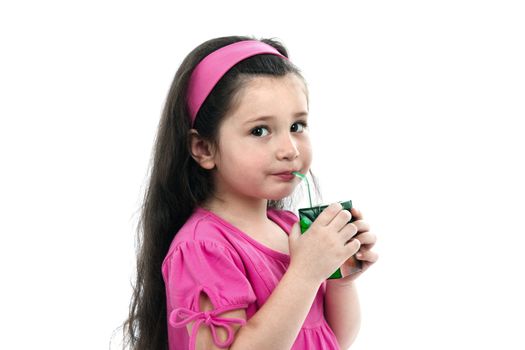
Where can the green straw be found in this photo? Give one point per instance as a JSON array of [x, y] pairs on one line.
[[303, 177]]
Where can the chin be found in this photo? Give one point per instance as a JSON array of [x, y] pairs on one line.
[[279, 192], [279, 196]]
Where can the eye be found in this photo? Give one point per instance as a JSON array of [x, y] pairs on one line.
[[302, 126], [259, 131]]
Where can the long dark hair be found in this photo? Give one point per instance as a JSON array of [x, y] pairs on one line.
[[177, 184]]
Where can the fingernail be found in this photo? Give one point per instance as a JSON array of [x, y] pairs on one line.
[[359, 255]]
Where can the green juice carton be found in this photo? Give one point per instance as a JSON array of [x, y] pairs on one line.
[[308, 215]]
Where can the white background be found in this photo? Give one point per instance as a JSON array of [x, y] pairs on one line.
[[416, 115]]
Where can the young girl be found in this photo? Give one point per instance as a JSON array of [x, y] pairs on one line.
[[222, 264]]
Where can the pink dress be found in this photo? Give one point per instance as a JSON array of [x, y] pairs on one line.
[[211, 255]]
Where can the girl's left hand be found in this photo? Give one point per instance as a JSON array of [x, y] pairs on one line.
[[364, 254]]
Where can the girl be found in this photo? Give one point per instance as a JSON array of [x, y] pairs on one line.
[[221, 263]]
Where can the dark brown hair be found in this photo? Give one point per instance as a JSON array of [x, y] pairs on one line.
[[177, 184]]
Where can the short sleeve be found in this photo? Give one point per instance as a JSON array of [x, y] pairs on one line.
[[205, 267]]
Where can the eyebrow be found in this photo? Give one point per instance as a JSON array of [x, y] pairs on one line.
[[269, 117]]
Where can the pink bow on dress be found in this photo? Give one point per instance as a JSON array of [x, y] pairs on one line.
[[210, 319]]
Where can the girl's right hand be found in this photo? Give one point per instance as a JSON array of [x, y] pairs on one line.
[[321, 250]]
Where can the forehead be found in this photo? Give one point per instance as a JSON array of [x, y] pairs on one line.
[[263, 95]]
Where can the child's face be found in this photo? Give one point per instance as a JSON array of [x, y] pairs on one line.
[[252, 152]]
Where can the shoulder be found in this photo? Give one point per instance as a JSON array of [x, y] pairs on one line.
[[200, 258], [202, 232], [201, 226]]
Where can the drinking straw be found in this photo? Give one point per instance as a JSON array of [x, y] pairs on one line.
[[303, 177]]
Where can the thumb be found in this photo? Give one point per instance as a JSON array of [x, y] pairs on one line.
[[295, 232]]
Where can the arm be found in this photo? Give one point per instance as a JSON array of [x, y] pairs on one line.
[[342, 311], [275, 325], [278, 322]]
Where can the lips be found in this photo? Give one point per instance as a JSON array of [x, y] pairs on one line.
[[286, 172], [285, 175]]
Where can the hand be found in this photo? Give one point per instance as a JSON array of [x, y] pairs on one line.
[[364, 254], [317, 253]]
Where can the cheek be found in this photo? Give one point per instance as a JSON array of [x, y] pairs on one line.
[[306, 151], [254, 160], [246, 158], [252, 153]]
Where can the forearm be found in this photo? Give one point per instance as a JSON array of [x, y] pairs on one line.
[[278, 322], [342, 311]]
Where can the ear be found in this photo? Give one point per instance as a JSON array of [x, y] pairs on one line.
[[201, 150]]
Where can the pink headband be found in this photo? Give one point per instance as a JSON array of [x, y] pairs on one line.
[[211, 69]]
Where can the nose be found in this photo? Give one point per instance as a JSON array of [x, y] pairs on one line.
[[287, 148]]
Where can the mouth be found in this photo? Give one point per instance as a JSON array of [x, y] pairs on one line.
[[286, 172], [286, 175]]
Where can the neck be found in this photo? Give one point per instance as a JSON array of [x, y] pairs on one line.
[[241, 213]]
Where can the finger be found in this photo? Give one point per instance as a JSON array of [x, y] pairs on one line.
[[348, 232], [356, 214], [341, 220], [329, 214], [368, 246], [362, 226], [353, 247], [367, 255], [366, 238]]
